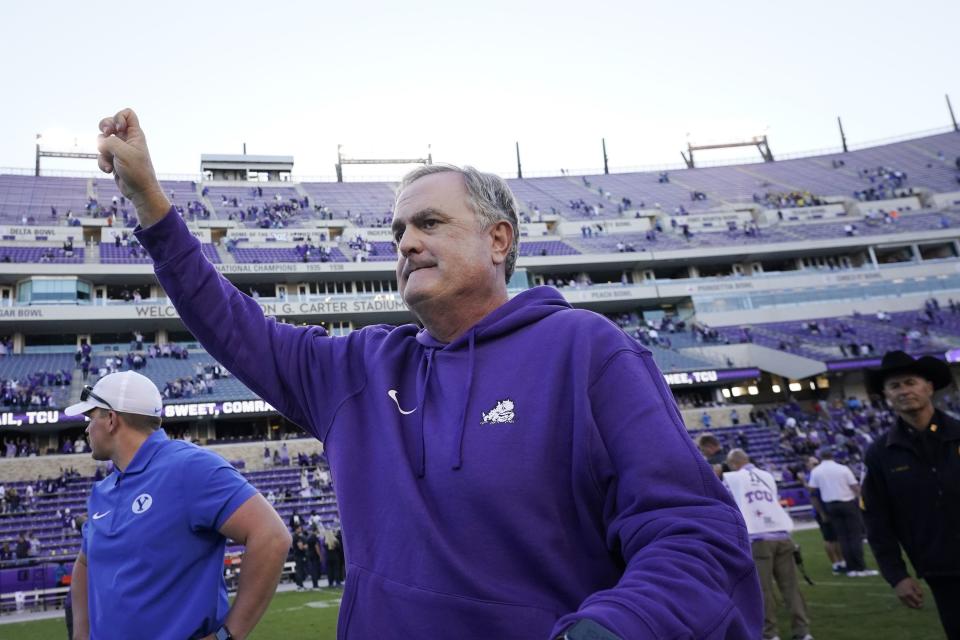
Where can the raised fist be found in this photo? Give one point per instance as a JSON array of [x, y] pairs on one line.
[[123, 152]]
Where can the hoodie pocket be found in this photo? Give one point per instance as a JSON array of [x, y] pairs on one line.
[[386, 609]]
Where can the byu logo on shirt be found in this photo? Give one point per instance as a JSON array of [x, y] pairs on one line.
[[141, 503]]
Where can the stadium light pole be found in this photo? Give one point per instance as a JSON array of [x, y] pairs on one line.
[[36, 170], [606, 167], [952, 117], [843, 138], [519, 166]]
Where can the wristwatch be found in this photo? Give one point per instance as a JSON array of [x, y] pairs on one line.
[[586, 629], [223, 633]]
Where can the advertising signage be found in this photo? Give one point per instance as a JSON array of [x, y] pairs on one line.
[[177, 411], [708, 376], [230, 408]]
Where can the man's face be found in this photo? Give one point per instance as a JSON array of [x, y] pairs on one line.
[[907, 393], [444, 255], [98, 433]]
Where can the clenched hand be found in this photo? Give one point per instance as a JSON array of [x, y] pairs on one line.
[[123, 152]]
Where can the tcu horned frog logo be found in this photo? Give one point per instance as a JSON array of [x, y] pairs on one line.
[[500, 414]]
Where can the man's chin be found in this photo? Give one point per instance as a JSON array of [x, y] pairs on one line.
[[413, 296]]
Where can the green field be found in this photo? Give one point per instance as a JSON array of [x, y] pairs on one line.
[[840, 609]]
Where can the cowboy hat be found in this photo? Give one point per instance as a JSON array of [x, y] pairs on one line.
[[899, 363]]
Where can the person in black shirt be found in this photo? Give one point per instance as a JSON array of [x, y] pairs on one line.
[[313, 556], [299, 557], [22, 550], [333, 543], [713, 452], [911, 486]]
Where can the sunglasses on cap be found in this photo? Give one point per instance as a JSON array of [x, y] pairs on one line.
[[88, 393]]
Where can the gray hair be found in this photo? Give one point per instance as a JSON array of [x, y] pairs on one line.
[[487, 194], [737, 458]]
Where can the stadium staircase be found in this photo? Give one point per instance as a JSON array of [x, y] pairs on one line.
[[198, 191], [828, 353], [303, 193], [76, 386], [226, 257], [781, 363]]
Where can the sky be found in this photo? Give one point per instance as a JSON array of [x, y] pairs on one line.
[[387, 79]]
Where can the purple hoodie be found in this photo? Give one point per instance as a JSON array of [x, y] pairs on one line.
[[533, 472]]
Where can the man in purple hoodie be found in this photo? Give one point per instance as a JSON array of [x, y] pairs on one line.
[[516, 468]]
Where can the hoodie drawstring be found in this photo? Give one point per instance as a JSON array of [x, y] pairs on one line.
[[458, 452], [421, 468]]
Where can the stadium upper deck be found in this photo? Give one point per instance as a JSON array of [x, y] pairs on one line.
[[926, 165], [818, 237]]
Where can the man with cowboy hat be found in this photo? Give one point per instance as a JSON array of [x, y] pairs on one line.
[[911, 486]]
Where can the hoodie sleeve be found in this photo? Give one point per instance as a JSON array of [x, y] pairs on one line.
[[301, 371], [688, 570]]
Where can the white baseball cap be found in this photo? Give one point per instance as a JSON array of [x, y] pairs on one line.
[[126, 392]]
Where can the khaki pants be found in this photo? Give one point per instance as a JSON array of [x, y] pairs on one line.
[[774, 560]]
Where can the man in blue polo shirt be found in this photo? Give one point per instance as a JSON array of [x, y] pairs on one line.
[[151, 565]]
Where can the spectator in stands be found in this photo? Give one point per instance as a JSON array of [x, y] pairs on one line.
[[124, 412], [22, 548], [34, 545], [6, 553], [769, 526], [713, 452], [457, 236], [13, 500], [836, 490], [911, 486]]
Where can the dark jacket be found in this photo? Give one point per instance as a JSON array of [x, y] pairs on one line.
[[911, 498]]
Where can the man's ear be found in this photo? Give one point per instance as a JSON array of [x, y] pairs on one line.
[[114, 422], [501, 235]]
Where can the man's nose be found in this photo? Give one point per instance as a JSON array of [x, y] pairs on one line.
[[409, 242]]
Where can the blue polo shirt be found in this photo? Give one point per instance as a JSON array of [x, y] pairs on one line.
[[154, 553]]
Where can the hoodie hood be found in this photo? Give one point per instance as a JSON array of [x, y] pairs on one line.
[[524, 309]]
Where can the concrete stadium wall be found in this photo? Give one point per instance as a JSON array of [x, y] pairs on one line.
[[719, 416]]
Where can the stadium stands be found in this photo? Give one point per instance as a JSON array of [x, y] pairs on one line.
[[55, 255], [28, 199], [289, 254], [856, 336]]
